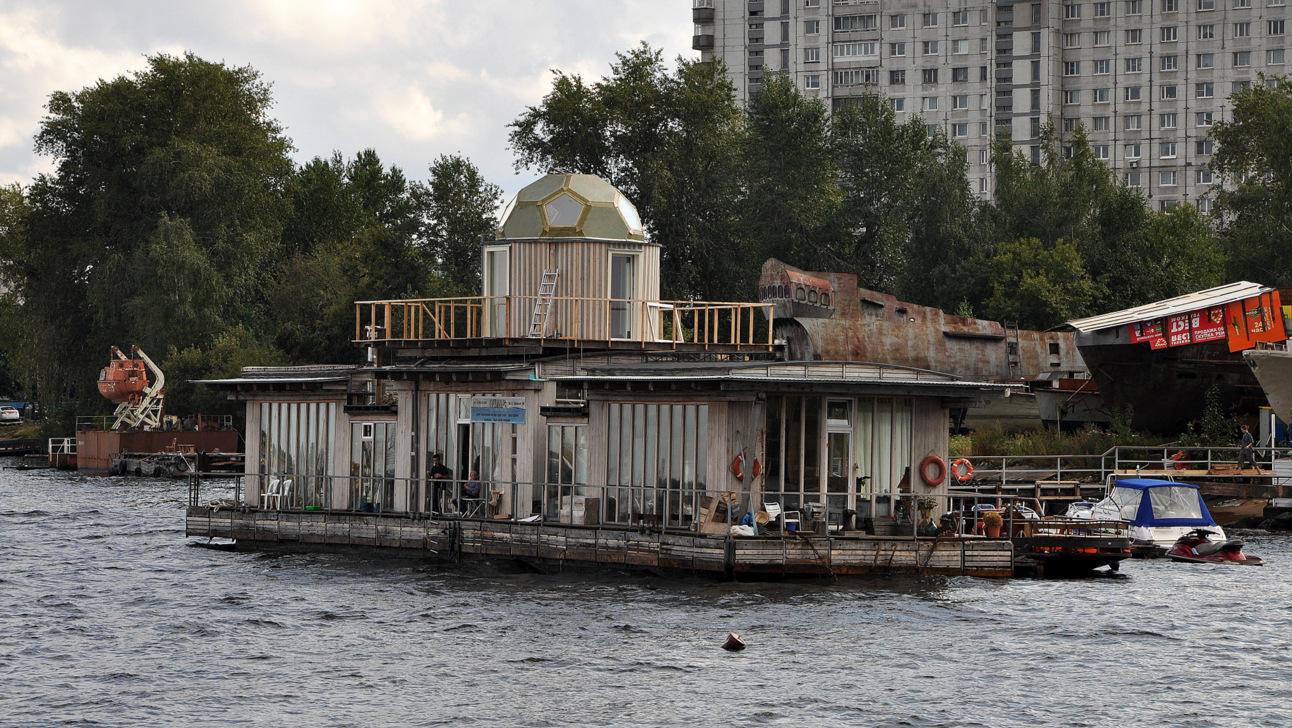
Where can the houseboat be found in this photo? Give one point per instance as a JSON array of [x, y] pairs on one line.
[[569, 417]]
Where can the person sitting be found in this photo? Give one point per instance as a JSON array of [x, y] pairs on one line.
[[470, 492]]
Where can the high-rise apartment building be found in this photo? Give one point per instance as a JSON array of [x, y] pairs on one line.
[[1147, 78]]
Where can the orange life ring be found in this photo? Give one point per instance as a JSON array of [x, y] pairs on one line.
[[924, 470], [962, 477]]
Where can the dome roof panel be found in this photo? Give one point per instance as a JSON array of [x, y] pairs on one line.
[[523, 222], [592, 188], [571, 206], [563, 210], [542, 188]]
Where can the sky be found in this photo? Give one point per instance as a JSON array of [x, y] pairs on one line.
[[412, 79]]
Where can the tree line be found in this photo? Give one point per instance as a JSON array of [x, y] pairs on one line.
[[175, 218]]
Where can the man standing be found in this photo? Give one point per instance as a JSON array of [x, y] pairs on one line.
[[1246, 449], [439, 476]]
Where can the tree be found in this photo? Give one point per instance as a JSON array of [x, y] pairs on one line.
[[669, 143], [166, 180], [457, 212], [790, 172], [1039, 285], [1254, 192]]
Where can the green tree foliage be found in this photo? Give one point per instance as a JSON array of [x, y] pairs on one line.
[[1037, 284], [221, 358], [457, 212], [667, 141], [790, 209], [162, 221], [1254, 163]]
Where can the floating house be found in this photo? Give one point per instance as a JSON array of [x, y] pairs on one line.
[[569, 416]]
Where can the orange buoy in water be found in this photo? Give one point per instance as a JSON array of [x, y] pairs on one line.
[[733, 643]]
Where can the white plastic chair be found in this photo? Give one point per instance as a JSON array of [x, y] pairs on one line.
[[275, 490]]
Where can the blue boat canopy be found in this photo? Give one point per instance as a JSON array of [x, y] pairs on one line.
[[1157, 503]]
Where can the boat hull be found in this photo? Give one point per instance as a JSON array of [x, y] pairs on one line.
[[1273, 370]]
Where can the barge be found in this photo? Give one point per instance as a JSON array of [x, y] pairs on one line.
[[568, 416]]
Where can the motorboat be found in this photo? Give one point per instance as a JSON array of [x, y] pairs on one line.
[[1204, 546], [1159, 511]]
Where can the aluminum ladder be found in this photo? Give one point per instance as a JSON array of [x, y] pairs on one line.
[[543, 304]]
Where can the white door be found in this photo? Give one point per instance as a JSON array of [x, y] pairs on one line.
[[496, 289], [623, 291]]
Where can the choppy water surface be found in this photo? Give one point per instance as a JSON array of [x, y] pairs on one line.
[[108, 617]]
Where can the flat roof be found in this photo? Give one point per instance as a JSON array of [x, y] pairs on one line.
[[1218, 296]]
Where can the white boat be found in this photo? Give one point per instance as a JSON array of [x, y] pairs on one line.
[[1159, 511], [1273, 369]]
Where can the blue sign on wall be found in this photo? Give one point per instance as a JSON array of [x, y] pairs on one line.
[[498, 410]]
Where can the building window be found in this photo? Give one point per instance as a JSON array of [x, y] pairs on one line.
[[1036, 71], [1240, 86], [856, 50], [856, 22], [1276, 27], [1072, 12], [1206, 118], [1132, 179], [1036, 13], [1274, 56], [1166, 150], [959, 47], [1203, 177], [1170, 34], [897, 49], [1134, 65], [1036, 42], [1102, 95], [1204, 205], [811, 55], [929, 103], [960, 131], [1100, 151], [982, 74], [1134, 7], [1206, 4], [1071, 97], [1072, 68], [930, 20], [1070, 124], [1170, 63], [813, 27], [856, 77], [960, 17], [1034, 126], [657, 458], [1102, 38], [897, 78], [1167, 179], [1134, 36], [1134, 122], [811, 3], [1242, 30], [1206, 32], [1204, 146], [982, 185], [1170, 6], [1132, 151], [984, 156], [898, 104], [1071, 40], [1103, 10], [1168, 93], [960, 75], [1165, 205], [1206, 60], [1102, 67], [960, 102], [812, 81], [1242, 59], [930, 47], [1099, 123], [1242, 3], [1036, 99], [982, 45], [929, 75], [1133, 93], [896, 21], [1167, 121], [1205, 90]]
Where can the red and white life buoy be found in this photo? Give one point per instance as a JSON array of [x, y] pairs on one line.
[[962, 470], [924, 470]]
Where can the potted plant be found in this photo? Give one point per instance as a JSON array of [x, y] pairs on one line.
[[926, 505], [992, 523]]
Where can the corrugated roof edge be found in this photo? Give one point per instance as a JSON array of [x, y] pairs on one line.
[[1217, 296]]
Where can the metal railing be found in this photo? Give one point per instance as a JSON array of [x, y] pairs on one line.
[[606, 320]]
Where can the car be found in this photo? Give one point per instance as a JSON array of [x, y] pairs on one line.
[[9, 414]]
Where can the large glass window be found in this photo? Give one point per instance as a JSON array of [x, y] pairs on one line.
[[657, 461], [296, 443], [372, 466]]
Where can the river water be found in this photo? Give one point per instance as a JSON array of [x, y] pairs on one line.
[[108, 617]]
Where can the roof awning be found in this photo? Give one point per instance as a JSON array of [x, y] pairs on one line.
[[1218, 296]]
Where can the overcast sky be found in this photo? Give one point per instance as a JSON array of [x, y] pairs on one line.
[[411, 79]]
